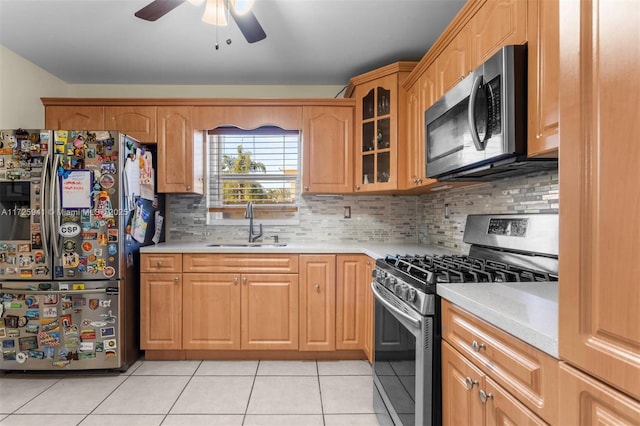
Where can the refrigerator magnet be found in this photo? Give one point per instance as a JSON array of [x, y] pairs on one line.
[[107, 181]]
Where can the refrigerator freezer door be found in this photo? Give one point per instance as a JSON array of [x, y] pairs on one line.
[[61, 325], [24, 174], [88, 188]]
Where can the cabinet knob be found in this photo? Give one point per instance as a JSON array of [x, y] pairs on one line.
[[235, 280], [477, 346], [306, 188], [357, 187], [244, 280], [469, 383], [188, 187], [317, 287], [159, 263], [176, 279], [484, 395]]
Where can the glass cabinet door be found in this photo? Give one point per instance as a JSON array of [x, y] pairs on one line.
[[376, 140]]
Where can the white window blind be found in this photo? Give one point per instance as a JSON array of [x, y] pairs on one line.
[[261, 166]]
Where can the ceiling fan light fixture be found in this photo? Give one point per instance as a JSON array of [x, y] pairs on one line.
[[214, 13], [242, 6]]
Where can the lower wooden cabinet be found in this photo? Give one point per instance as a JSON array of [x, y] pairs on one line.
[[469, 397], [161, 311], [510, 372], [317, 302], [586, 401], [233, 301], [350, 300]]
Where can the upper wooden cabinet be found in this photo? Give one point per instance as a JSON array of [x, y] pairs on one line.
[[599, 295], [454, 62], [497, 23], [74, 117], [180, 152], [327, 145], [543, 69], [420, 96], [139, 122], [247, 117], [380, 126]]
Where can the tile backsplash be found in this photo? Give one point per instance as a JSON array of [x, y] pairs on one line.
[[380, 218]]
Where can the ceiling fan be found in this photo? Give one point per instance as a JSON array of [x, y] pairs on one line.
[[214, 14]]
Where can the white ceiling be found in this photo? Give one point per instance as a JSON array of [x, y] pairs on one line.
[[308, 41]]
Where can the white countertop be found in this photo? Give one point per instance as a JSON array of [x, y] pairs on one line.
[[528, 311], [373, 250]]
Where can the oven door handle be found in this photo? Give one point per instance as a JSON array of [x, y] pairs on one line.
[[412, 321]]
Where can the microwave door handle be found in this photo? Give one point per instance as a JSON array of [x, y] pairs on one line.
[[470, 113]]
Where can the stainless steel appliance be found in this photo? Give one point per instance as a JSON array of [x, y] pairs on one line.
[[76, 207], [478, 130], [504, 248]]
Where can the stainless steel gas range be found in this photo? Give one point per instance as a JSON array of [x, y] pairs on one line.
[[504, 248]]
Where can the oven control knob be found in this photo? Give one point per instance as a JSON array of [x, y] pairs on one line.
[[402, 291], [411, 295], [390, 282]]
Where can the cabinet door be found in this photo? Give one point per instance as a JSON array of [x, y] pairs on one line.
[[160, 311], [211, 306], [74, 118], [350, 301], [544, 68], [461, 382], [139, 122], [586, 401], [369, 336], [269, 311], [498, 23], [327, 149], [502, 409], [599, 295], [409, 172], [318, 302], [180, 155], [454, 62], [376, 134]]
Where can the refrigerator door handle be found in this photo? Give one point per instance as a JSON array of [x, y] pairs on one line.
[[43, 206], [55, 213]]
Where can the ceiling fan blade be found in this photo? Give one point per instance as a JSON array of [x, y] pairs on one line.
[[249, 26], [157, 9]]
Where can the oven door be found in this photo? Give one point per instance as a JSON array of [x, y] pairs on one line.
[[405, 371]]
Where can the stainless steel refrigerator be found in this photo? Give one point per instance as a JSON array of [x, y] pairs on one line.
[[75, 206]]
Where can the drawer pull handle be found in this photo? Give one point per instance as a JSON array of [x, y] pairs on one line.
[[469, 383], [477, 346], [159, 263], [484, 396]]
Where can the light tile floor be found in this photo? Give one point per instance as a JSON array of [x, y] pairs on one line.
[[196, 393]]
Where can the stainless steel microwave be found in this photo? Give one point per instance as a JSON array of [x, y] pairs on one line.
[[478, 129]]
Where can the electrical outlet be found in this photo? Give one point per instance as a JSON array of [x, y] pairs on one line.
[[347, 212], [446, 211]]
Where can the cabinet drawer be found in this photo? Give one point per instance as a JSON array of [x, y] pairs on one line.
[[240, 262], [161, 263], [525, 372]]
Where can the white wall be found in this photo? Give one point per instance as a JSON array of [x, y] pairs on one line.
[[22, 84]]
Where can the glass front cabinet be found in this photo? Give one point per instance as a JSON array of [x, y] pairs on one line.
[[380, 111]]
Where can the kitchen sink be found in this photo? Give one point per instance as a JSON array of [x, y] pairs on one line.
[[242, 245]]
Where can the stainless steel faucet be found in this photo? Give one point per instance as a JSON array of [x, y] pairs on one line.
[[248, 214]]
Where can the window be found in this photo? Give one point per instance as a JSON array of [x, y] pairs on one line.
[[259, 166]]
